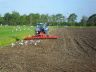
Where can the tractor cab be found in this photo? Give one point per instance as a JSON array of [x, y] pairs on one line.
[[41, 27]]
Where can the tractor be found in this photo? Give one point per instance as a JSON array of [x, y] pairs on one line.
[[41, 32]]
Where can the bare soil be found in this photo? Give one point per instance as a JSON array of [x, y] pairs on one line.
[[74, 52]]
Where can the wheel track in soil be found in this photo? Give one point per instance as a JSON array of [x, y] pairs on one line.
[[69, 54]]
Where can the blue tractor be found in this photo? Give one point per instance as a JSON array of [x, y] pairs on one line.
[[41, 32], [41, 27]]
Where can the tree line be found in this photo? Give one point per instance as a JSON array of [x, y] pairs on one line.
[[14, 18]]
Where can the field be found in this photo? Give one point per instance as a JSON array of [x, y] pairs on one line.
[[9, 34], [74, 52]]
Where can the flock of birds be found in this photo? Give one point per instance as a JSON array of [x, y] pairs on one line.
[[22, 42], [18, 28], [25, 42]]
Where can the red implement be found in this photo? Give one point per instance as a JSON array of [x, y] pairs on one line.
[[41, 36]]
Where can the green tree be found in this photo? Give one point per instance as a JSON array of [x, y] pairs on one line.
[[1, 19], [72, 19], [34, 18], [12, 18], [7, 18], [83, 21], [15, 18], [52, 20], [59, 18], [23, 20], [44, 18], [92, 20]]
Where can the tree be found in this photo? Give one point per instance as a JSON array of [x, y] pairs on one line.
[[7, 18], [15, 18], [23, 20], [52, 20], [34, 18], [72, 18], [57, 19], [44, 18], [83, 21], [92, 20], [1, 19], [60, 18], [12, 18]]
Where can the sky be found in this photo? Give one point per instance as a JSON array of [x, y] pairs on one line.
[[65, 7]]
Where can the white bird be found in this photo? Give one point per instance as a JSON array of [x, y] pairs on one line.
[[31, 41], [38, 41], [12, 44], [26, 42], [20, 43], [35, 43]]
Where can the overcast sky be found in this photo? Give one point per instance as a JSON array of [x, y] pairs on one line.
[[80, 7]]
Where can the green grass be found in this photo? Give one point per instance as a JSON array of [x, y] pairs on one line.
[[8, 34]]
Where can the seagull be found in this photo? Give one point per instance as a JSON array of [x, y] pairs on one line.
[[12, 44], [35, 43]]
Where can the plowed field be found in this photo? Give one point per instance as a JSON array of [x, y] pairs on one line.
[[74, 52]]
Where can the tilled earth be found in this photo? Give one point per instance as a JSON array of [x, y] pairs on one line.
[[74, 52]]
